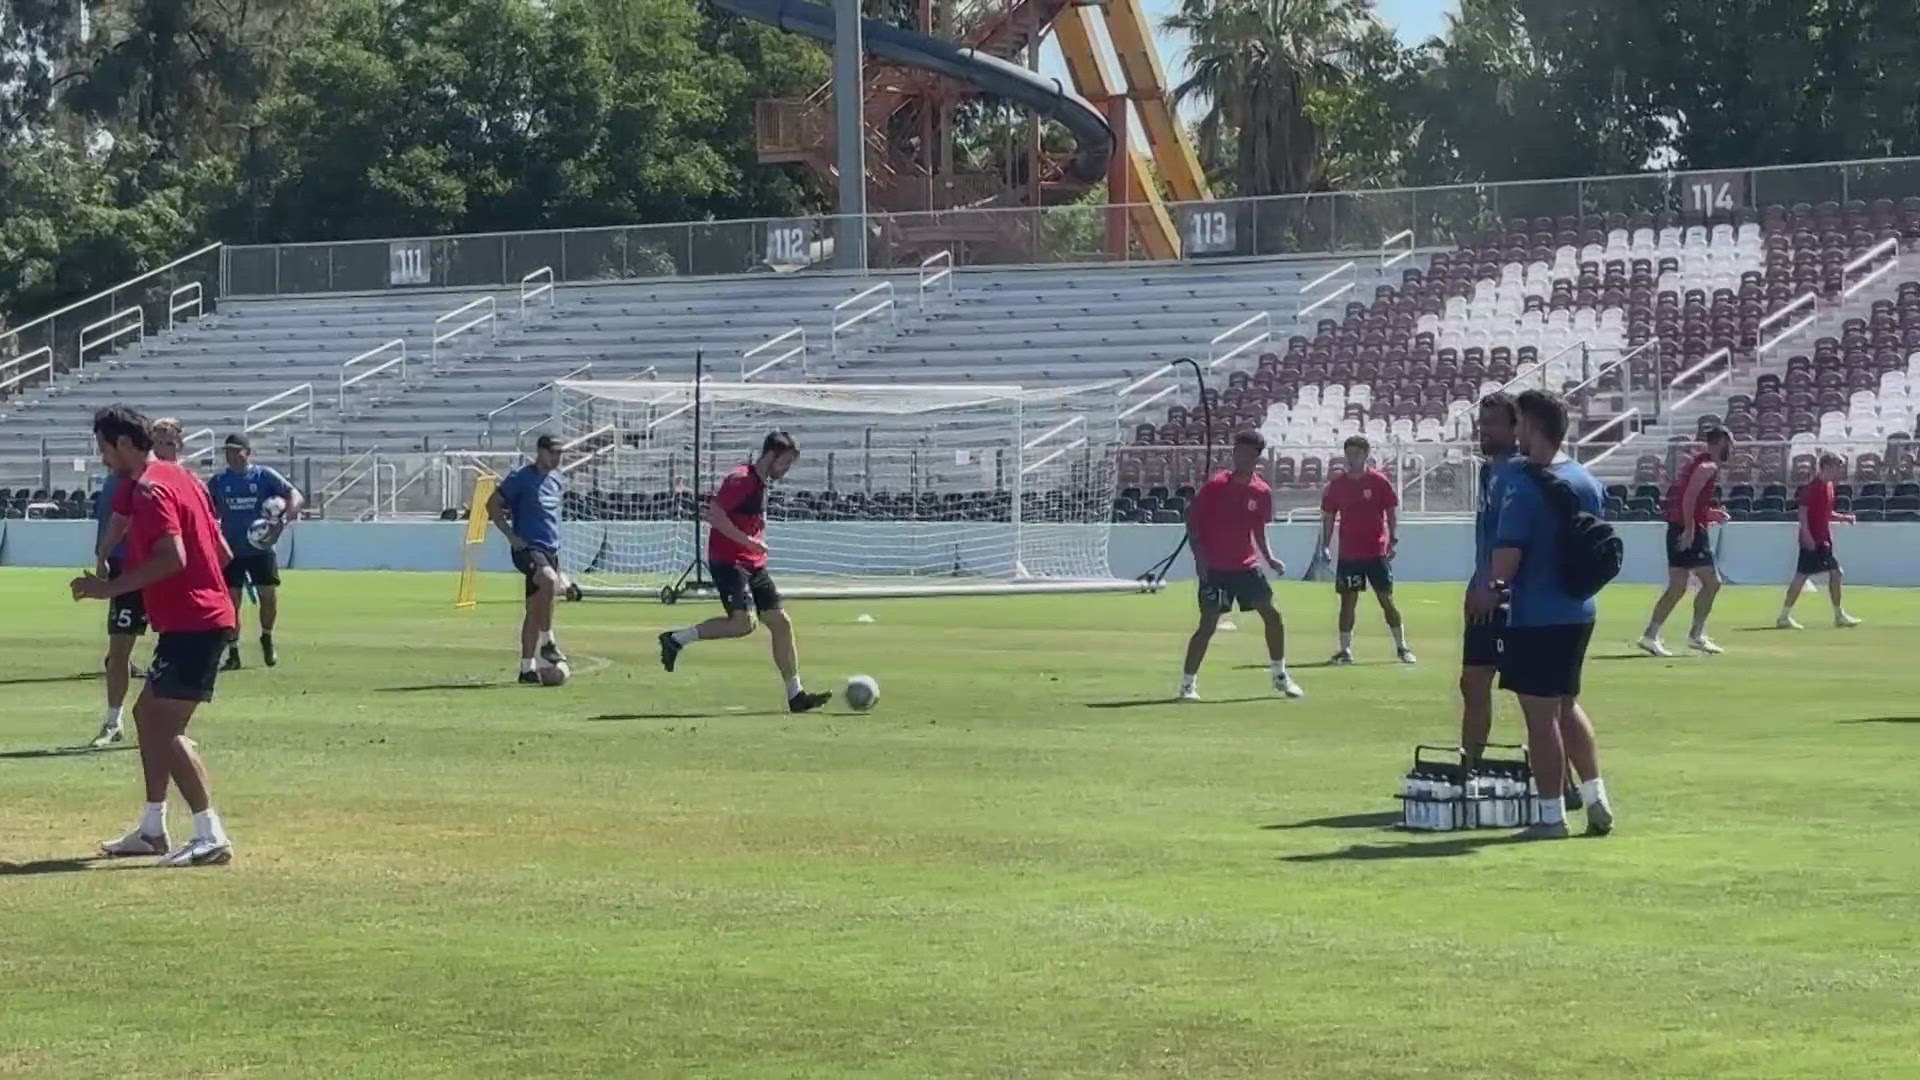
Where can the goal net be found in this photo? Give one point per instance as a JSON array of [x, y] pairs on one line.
[[900, 490]]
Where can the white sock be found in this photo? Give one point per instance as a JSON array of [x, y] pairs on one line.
[[206, 826], [1699, 631], [154, 821], [794, 689], [526, 664], [1550, 811], [1346, 641], [687, 635], [1593, 792], [1787, 612], [1278, 667], [1399, 635], [546, 637], [1189, 682], [116, 712]]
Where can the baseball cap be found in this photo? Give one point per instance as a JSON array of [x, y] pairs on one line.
[[239, 440], [547, 442]]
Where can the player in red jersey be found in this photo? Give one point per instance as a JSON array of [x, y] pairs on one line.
[[737, 559], [1816, 545], [1692, 506], [1362, 499], [1227, 524], [174, 558]]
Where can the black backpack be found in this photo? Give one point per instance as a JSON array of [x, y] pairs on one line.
[[1590, 551]]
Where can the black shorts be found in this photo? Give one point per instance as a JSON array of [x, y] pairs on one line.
[[1220, 590], [1544, 661], [126, 613], [256, 565], [1480, 645], [530, 561], [1817, 559], [1359, 575], [1697, 554], [741, 586], [185, 664]]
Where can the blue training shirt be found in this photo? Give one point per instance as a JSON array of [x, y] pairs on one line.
[[1526, 521], [1484, 518], [237, 497], [533, 505], [103, 515]]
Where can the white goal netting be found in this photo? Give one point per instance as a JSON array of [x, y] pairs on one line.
[[899, 490]]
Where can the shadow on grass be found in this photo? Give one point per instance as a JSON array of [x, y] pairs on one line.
[[64, 751], [1630, 656], [689, 715], [70, 866], [1436, 849], [1882, 720], [84, 676], [1141, 702], [432, 687], [1291, 666], [1384, 819]]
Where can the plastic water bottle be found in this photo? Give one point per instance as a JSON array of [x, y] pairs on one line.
[[1409, 810]]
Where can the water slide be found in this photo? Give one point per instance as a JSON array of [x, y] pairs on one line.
[[1092, 134]]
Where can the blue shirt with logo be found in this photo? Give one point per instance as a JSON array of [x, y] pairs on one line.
[[1525, 520], [103, 515], [237, 497], [1485, 517], [532, 498]]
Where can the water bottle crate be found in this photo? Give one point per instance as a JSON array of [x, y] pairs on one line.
[[1444, 792]]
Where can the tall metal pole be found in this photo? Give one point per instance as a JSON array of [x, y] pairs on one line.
[[850, 236]]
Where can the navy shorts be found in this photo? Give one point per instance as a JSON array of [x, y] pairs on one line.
[[1220, 590]]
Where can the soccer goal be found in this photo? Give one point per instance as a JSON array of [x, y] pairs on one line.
[[900, 490]]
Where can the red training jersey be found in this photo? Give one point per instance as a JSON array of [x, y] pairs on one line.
[[167, 500], [1362, 503], [1226, 519], [743, 495], [1816, 500], [1703, 502]]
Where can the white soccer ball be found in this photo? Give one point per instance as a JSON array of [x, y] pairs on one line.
[[274, 508], [258, 532], [862, 692], [554, 674]]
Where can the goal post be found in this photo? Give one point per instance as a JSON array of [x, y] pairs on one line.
[[900, 489]]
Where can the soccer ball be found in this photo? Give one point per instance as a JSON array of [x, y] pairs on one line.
[[274, 508], [553, 674], [862, 692], [258, 532]]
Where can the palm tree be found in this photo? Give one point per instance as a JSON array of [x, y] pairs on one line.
[[1252, 64]]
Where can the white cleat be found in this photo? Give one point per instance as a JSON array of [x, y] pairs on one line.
[[133, 844], [1704, 644], [1787, 622], [1406, 656], [1599, 819], [200, 851], [110, 732], [1286, 687], [1652, 646], [1188, 693], [1843, 621]]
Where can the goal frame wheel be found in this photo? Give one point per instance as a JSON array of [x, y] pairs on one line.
[[669, 594]]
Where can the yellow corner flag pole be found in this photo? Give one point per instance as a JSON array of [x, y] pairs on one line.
[[477, 523]]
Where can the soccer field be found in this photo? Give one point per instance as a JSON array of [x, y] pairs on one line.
[[1023, 863]]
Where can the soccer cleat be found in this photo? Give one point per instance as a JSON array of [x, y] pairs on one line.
[[669, 649], [1787, 622], [1406, 655], [1652, 646], [232, 662], [267, 653], [551, 653], [135, 843], [529, 678], [1599, 819], [200, 851], [1188, 693], [1543, 830], [1843, 621], [1344, 656], [1704, 644], [1286, 687], [110, 732], [1572, 797], [808, 700]]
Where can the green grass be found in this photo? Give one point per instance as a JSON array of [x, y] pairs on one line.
[[643, 874]]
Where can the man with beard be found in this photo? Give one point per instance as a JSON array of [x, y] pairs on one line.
[[1692, 506]]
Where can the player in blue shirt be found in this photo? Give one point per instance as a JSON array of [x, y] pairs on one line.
[[1544, 646], [126, 613], [1480, 646], [526, 508], [240, 493]]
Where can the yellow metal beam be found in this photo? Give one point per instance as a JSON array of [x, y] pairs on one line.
[[1146, 212], [1173, 152]]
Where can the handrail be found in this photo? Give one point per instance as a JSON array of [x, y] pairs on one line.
[[344, 478], [1847, 291], [345, 382], [588, 437], [250, 425], [1618, 363], [1401, 254], [7, 384], [175, 305], [800, 350], [440, 337], [839, 326], [193, 455], [1331, 295], [1608, 426], [1264, 336], [1525, 373], [1668, 408], [533, 393], [104, 293], [537, 292], [944, 259], [520, 437], [114, 332]]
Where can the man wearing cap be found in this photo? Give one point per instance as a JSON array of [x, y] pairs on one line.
[[526, 509], [240, 493]]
